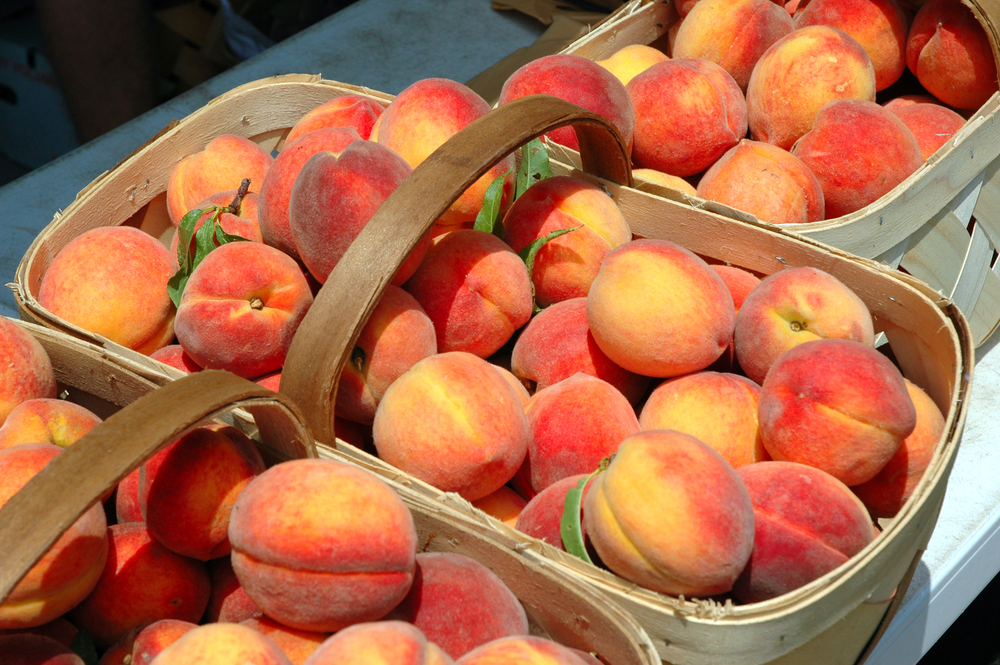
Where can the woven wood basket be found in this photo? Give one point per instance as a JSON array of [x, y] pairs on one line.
[[942, 224], [558, 604]]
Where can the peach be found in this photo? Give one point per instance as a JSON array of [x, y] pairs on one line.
[[907, 100], [71, 567], [766, 181], [880, 26], [807, 524], [542, 516], [229, 602], [688, 114], [333, 198], [25, 649], [387, 642], [657, 309], [885, 494], [175, 356], [801, 73], [948, 50], [243, 222], [224, 162], [504, 504], [565, 266], [740, 283], [793, 306], [629, 60], [301, 534], [460, 604], [454, 422], [112, 281], [127, 499], [731, 33], [666, 180], [932, 125], [425, 115], [59, 629], [298, 645], [355, 111], [240, 308], [522, 650], [475, 290], [396, 336], [142, 581], [28, 372], [557, 343], [670, 514], [216, 643], [575, 424], [837, 405], [858, 151], [718, 409], [515, 383], [153, 638], [276, 188], [47, 420], [577, 80]]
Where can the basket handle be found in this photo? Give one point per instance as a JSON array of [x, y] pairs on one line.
[[34, 518], [325, 338]]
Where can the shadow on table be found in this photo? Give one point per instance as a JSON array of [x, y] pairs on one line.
[[973, 639]]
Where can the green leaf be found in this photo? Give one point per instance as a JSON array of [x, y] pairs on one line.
[[83, 646], [570, 527], [486, 220], [534, 166], [207, 238]]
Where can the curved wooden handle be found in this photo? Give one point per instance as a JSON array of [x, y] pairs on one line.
[[34, 518], [326, 336]]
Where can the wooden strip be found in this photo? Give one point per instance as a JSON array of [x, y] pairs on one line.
[[638, 22], [973, 272]]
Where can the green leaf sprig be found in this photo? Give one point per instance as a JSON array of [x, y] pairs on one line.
[[488, 215], [534, 166], [570, 528]]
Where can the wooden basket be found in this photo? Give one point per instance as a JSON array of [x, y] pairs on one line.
[[557, 603], [942, 224]]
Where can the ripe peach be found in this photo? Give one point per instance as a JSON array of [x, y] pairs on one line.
[[153, 638], [388, 641], [666, 180], [629, 60], [460, 604], [355, 111], [243, 223], [801, 73], [224, 162], [716, 408], [683, 320], [731, 33], [112, 281], [504, 504], [240, 308], [907, 100], [301, 534], [127, 499], [515, 383], [216, 643], [229, 602], [522, 649], [653, 520], [175, 356], [740, 283], [47, 420], [565, 266], [542, 516], [932, 125], [688, 114], [792, 306], [454, 422], [807, 524], [25, 649], [297, 644], [70, 569], [475, 290], [29, 372], [59, 629]]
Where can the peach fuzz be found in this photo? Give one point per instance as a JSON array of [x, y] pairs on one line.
[[296, 644], [127, 499], [731, 33], [951, 55], [793, 306], [798, 75], [766, 181], [187, 490], [454, 422], [70, 569], [885, 494], [216, 643], [515, 383], [522, 650], [740, 283], [224, 163], [425, 115], [657, 309], [542, 516], [243, 222], [475, 290], [630, 60], [302, 535], [670, 514], [354, 111], [276, 188], [396, 336], [25, 649], [175, 356], [504, 504], [47, 420], [580, 81], [240, 308], [565, 266], [557, 343], [688, 114], [112, 281], [29, 373], [575, 424], [807, 524], [151, 639], [880, 26], [858, 151], [394, 642], [229, 602], [907, 100], [142, 581], [932, 125], [718, 409], [666, 180], [460, 604], [837, 405]]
